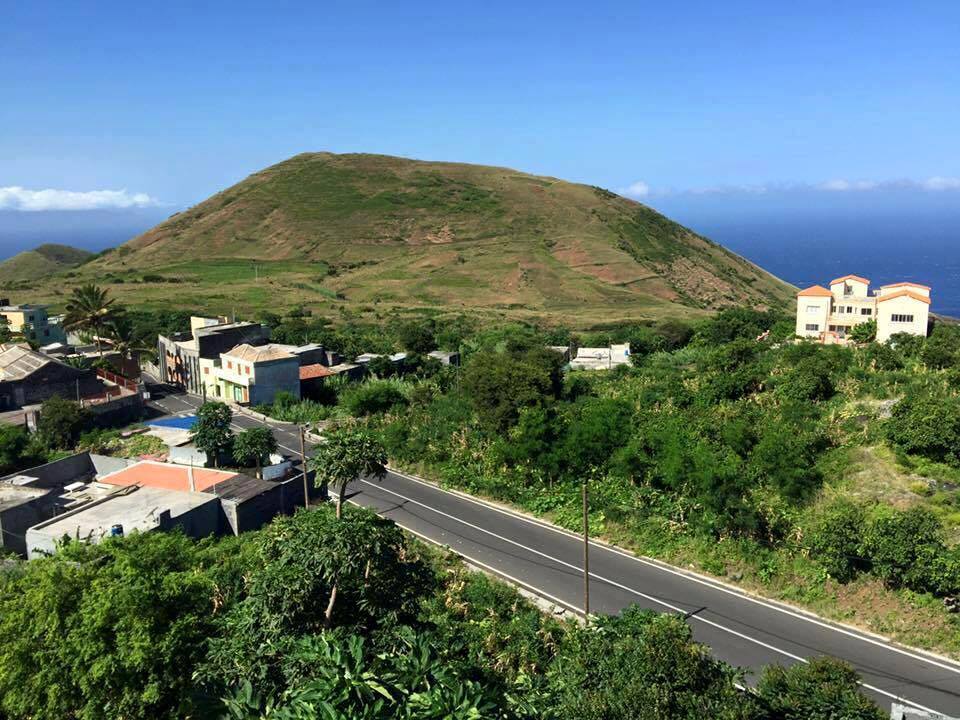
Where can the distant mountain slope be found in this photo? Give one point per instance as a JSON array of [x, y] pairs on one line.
[[409, 233], [39, 263]]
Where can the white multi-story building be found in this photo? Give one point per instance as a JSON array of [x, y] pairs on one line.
[[828, 315]]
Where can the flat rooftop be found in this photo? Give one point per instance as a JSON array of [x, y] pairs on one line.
[[137, 509], [12, 495], [165, 476]]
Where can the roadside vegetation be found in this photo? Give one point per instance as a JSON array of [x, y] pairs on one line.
[[822, 476], [155, 626]]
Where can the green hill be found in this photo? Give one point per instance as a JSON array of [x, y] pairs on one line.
[[327, 230], [41, 262]]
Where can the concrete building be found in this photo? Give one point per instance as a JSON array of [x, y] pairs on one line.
[[136, 507], [32, 322], [182, 357], [828, 314], [252, 374], [245, 503], [92, 493], [445, 357], [601, 358], [28, 377], [41, 493]]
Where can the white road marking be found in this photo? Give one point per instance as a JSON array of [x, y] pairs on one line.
[[687, 576], [632, 590], [628, 589]]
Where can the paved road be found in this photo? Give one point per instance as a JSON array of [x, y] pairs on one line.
[[742, 630]]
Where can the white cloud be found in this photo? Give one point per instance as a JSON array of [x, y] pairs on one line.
[[847, 185], [638, 189], [941, 183], [18, 198]]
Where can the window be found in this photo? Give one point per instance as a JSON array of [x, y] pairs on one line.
[[812, 326], [248, 369], [849, 308], [812, 308], [901, 318], [206, 371], [866, 311], [839, 309], [229, 364]]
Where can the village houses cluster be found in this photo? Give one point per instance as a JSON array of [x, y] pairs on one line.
[[89, 496]]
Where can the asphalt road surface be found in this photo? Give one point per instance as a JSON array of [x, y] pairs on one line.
[[742, 630]]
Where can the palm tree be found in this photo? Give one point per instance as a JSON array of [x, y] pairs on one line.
[[89, 308], [125, 339]]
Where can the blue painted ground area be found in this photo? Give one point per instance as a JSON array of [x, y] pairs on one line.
[[180, 423]]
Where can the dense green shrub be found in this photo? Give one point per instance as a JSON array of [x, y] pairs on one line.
[[500, 385], [905, 548], [373, 396], [643, 665], [927, 424], [835, 539], [61, 422], [823, 689]]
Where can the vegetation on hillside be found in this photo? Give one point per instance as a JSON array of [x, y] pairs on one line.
[[341, 231], [39, 264], [155, 626], [815, 474]]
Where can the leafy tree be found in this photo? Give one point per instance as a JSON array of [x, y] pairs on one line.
[[883, 356], [785, 456], [126, 338], [5, 334], [836, 540], [675, 334], [312, 572], [597, 429], [942, 349], [211, 432], [927, 424], [904, 547], [373, 396], [16, 450], [89, 308], [864, 332], [254, 445], [382, 367], [735, 324], [500, 385], [641, 664], [108, 631], [61, 422], [823, 689], [418, 336], [345, 456]]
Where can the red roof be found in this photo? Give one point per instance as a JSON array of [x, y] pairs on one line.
[[815, 291], [168, 477], [850, 277], [309, 372], [905, 293], [906, 284]]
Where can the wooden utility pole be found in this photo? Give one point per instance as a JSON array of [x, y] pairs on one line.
[[303, 465], [586, 554]]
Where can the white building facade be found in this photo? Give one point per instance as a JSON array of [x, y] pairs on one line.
[[828, 315]]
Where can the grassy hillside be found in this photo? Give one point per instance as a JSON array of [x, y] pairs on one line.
[[331, 231], [39, 263]]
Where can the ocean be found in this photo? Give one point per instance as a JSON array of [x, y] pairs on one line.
[[807, 249], [805, 240]]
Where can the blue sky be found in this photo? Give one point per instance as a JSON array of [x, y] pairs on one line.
[[679, 101]]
